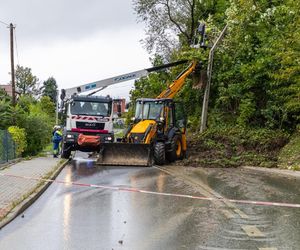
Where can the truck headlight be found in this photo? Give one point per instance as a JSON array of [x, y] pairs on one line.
[[109, 138], [70, 136]]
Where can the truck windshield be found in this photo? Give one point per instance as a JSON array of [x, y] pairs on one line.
[[149, 110], [91, 108]]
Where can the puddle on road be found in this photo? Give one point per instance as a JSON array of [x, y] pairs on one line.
[[279, 225]]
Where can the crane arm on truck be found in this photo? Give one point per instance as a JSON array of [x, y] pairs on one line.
[[101, 84]]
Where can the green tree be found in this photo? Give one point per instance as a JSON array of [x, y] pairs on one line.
[[38, 131], [26, 82], [47, 106], [50, 88], [171, 24], [257, 70], [37, 120]]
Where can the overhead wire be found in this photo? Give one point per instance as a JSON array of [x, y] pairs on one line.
[[4, 23], [16, 44]]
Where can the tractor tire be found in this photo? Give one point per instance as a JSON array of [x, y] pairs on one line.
[[175, 152], [159, 153], [65, 154]]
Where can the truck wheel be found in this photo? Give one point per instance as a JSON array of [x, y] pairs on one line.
[[65, 153], [175, 152], [159, 153]]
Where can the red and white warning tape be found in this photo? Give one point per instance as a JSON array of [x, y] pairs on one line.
[[261, 203]]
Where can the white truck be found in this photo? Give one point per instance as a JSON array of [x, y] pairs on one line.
[[89, 118]]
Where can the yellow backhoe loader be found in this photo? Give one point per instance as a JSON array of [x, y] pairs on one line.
[[158, 131]]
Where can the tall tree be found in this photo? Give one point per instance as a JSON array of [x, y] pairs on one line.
[[172, 23], [26, 82], [49, 89], [257, 71]]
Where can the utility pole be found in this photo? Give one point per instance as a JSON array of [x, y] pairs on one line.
[[203, 121], [13, 84]]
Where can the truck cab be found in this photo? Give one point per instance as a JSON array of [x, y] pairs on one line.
[[88, 118]]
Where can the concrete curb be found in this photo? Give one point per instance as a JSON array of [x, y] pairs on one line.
[[38, 191], [277, 171]]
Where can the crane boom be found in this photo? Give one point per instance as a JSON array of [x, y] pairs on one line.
[[117, 79]]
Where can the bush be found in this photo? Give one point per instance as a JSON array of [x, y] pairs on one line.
[[19, 137], [38, 130]]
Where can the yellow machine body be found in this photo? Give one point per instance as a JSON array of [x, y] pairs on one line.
[[142, 126]]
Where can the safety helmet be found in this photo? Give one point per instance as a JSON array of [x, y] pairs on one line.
[[56, 127]]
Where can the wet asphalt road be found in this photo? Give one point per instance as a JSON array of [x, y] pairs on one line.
[[74, 217]]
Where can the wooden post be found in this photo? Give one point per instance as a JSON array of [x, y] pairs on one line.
[[13, 85]]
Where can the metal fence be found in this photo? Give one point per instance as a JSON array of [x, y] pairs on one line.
[[7, 147]]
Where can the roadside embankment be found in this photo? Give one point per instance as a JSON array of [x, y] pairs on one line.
[[234, 147], [289, 156]]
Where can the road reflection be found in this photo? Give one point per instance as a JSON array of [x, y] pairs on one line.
[[67, 206]]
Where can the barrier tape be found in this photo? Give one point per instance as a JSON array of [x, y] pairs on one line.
[[260, 203]]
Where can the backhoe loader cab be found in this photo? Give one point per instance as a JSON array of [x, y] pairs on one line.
[[149, 109], [161, 123]]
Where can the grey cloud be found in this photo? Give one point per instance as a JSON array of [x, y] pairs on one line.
[[38, 20]]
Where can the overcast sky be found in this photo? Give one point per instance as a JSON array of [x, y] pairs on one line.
[[74, 41]]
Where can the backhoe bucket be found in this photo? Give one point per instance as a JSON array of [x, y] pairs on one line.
[[125, 154]]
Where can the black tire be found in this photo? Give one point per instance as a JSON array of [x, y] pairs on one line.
[[175, 152], [65, 153], [159, 153], [184, 155]]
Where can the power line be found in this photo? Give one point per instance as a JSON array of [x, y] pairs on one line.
[[16, 44], [4, 23]]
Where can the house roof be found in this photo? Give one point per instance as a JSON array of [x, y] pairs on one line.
[[7, 88]]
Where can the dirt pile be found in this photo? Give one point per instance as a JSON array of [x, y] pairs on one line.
[[234, 148]]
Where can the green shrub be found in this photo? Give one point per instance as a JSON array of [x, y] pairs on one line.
[[38, 130], [19, 137]]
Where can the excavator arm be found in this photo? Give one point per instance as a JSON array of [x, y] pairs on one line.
[[177, 84]]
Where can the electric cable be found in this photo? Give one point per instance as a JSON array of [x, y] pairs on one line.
[[4, 23], [16, 44]]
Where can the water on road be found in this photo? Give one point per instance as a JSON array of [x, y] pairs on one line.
[[78, 217]]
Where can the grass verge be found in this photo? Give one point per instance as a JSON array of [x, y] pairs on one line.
[[289, 156]]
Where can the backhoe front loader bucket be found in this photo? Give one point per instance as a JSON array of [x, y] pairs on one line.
[[125, 154]]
